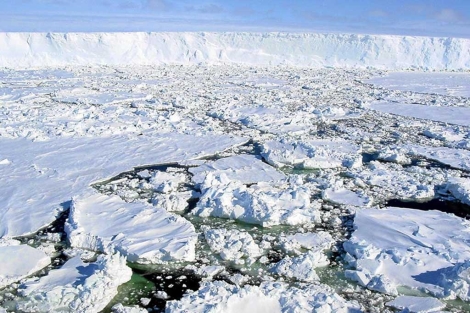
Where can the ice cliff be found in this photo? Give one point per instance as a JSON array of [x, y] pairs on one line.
[[25, 50]]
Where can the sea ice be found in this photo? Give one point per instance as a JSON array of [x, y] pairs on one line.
[[417, 304], [19, 261], [247, 169], [456, 158], [345, 196], [141, 232], [302, 267], [312, 154], [426, 250], [219, 296], [76, 286], [266, 204], [294, 243], [233, 245], [460, 189]]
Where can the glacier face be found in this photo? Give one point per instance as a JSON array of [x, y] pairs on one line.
[[26, 50]]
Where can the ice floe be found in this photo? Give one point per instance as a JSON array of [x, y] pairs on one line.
[[456, 158], [417, 304], [424, 250], [19, 261], [302, 267], [141, 232], [221, 297], [76, 286], [312, 154]]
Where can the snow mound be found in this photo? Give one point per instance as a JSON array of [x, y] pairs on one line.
[[316, 50], [19, 261], [141, 232], [76, 286], [424, 250], [219, 296]]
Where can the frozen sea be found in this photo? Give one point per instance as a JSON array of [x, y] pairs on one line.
[[229, 188]]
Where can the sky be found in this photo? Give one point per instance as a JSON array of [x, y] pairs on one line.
[[450, 18]]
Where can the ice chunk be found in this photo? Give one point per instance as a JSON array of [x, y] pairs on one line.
[[294, 243], [247, 169], [417, 304], [233, 245], [219, 296], [19, 261], [426, 250], [76, 286], [303, 266], [460, 189], [266, 204], [119, 308], [141, 232], [311, 154], [345, 196]]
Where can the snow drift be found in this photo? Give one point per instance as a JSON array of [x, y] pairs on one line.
[[25, 50]]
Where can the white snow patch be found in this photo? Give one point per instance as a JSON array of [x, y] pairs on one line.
[[141, 232]]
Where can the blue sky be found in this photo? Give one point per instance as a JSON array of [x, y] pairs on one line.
[[412, 17]]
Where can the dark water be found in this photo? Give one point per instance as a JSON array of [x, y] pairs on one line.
[[454, 207]]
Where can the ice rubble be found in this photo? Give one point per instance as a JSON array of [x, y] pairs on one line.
[[76, 286], [452, 115], [141, 232], [340, 50], [302, 267], [425, 250], [233, 245], [43, 176], [266, 204], [19, 261], [312, 154], [219, 296]]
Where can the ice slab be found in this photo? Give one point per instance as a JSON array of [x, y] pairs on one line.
[[247, 169], [417, 304], [345, 196], [41, 177], [221, 297], [312, 154], [453, 84], [456, 158], [141, 232], [19, 261], [460, 189], [452, 115], [425, 250], [76, 286], [266, 204], [294, 243]]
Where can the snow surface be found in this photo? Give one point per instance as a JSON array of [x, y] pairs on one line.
[[141, 232], [43, 176], [76, 286], [25, 50], [220, 296], [19, 261], [452, 115], [453, 84], [425, 250]]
